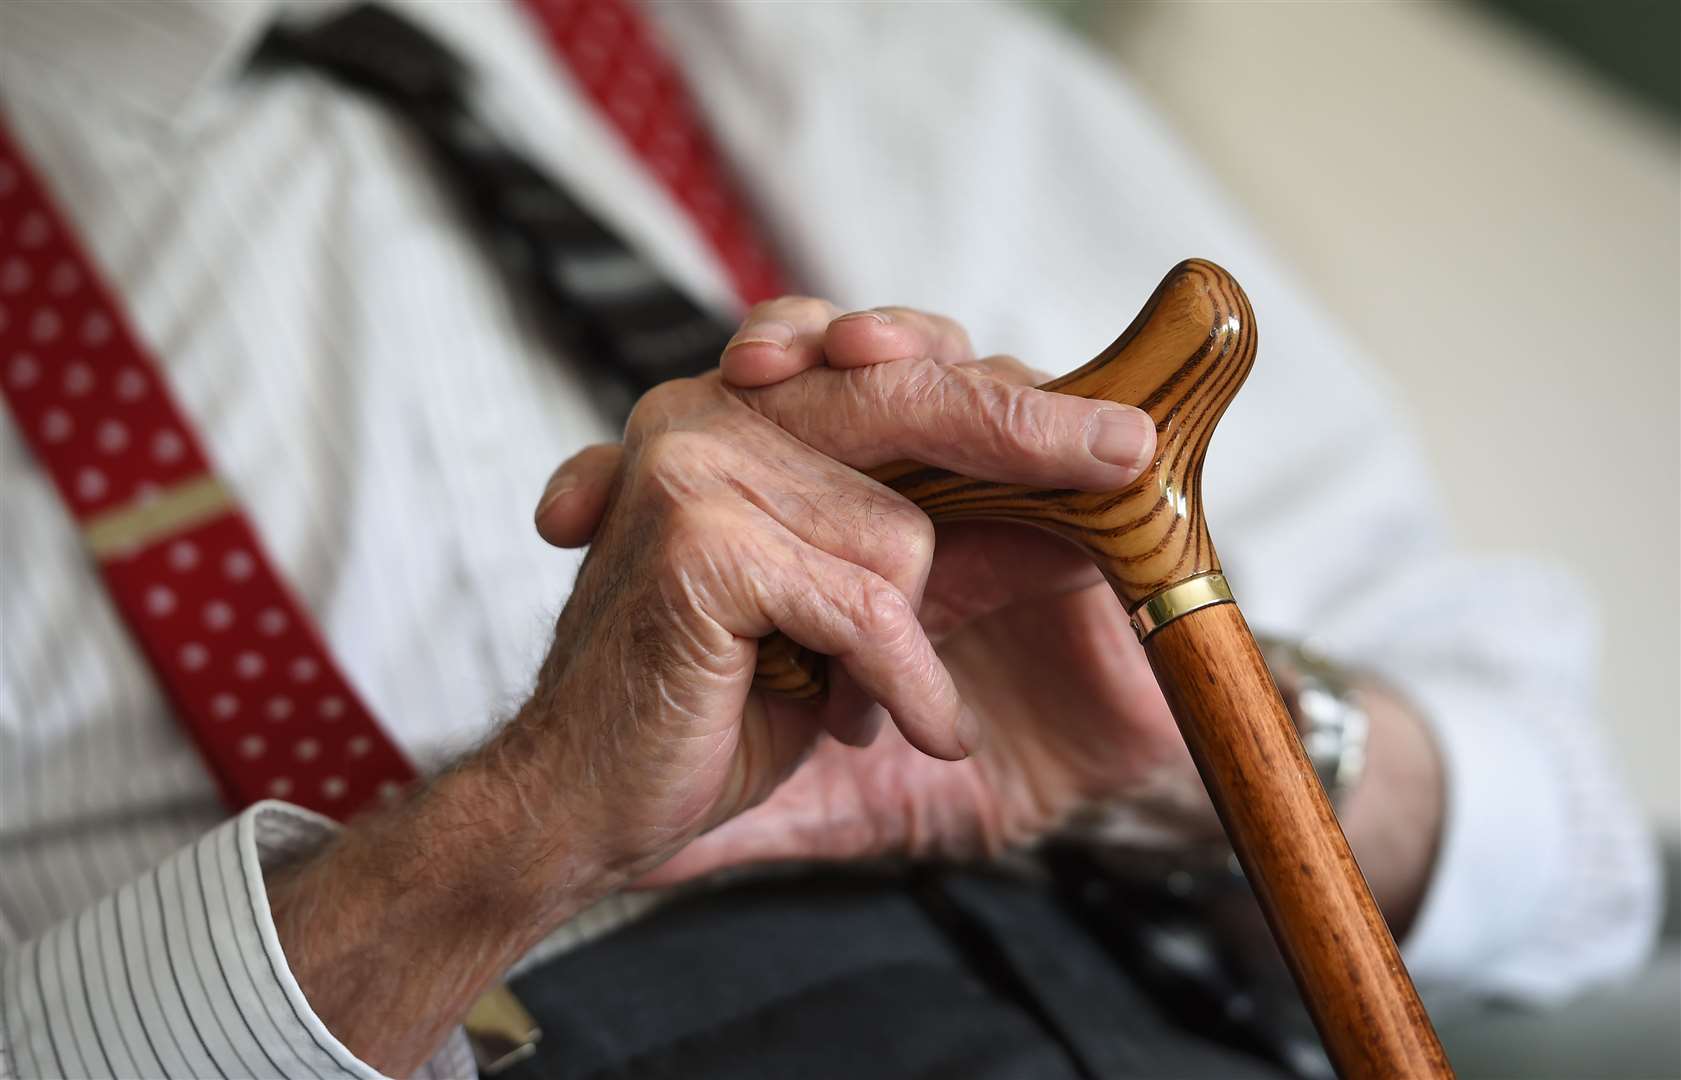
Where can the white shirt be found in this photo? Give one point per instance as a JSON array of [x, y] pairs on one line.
[[356, 370]]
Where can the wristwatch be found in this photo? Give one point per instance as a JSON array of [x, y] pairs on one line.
[[1333, 725]]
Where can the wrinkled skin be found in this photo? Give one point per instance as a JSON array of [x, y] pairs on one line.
[[986, 685]]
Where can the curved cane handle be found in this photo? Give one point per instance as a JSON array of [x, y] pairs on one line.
[[1182, 361]]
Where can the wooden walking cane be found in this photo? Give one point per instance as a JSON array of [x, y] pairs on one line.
[[1182, 361]]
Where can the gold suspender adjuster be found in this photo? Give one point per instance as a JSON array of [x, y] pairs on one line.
[[503, 1034], [159, 515]]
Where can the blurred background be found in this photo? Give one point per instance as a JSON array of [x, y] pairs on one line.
[[1488, 196]]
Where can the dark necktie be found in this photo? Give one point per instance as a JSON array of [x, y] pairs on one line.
[[597, 298]]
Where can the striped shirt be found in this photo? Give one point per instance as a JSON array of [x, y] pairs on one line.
[[388, 432]]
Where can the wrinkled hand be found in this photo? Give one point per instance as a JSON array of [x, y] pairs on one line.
[[732, 513], [728, 513]]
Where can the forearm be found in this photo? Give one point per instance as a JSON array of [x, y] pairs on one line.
[[395, 928]]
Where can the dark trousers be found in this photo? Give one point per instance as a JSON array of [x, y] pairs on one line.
[[948, 974]]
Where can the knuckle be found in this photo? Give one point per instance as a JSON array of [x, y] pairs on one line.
[[919, 380], [671, 403], [911, 540], [655, 408], [899, 396], [1017, 419], [882, 610], [675, 460]]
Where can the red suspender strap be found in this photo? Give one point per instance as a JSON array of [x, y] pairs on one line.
[[617, 60], [237, 655]]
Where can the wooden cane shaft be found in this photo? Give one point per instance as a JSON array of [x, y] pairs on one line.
[[1293, 851]]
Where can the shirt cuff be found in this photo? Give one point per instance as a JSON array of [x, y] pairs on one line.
[[1503, 838], [180, 974]]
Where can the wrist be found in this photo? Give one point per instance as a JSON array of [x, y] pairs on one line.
[[396, 926], [1393, 819], [504, 844]]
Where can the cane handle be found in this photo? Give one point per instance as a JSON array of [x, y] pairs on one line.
[[1181, 361]]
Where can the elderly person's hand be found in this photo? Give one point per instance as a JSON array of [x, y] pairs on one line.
[[733, 511], [1010, 639], [729, 513]]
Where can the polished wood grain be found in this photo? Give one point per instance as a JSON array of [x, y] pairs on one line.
[[1295, 856], [1182, 361]]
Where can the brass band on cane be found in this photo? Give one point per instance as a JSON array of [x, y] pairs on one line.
[[1187, 596]]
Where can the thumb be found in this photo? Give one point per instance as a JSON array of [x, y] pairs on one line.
[[576, 495]]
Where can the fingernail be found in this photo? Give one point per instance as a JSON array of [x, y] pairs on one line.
[[879, 316], [558, 487], [776, 333], [1123, 436]]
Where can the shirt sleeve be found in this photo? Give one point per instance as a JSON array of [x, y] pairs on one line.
[[1545, 879], [975, 161], [180, 974]]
